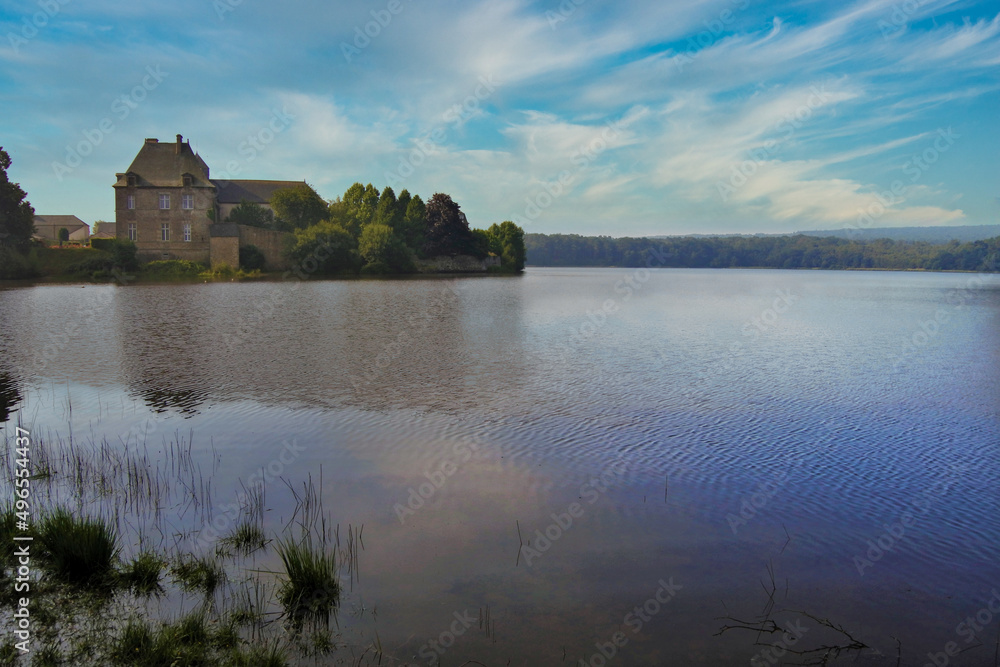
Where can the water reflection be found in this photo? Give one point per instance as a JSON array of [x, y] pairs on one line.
[[378, 383], [10, 395], [445, 345]]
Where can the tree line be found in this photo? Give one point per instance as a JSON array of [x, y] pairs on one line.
[[379, 232], [774, 252]]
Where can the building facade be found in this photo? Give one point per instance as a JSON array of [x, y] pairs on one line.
[[167, 203], [47, 227]]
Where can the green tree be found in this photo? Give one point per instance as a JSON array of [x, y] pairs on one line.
[[387, 213], [402, 204], [298, 207], [124, 255], [448, 230], [414, 227], [369, 204], [325, 248], [507, 241], [382, 250], [63, 235], [254, 215], [17, 217]]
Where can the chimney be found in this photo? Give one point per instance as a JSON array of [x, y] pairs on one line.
[[177, 148]]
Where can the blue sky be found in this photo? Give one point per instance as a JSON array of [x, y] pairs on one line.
[[626, 118]]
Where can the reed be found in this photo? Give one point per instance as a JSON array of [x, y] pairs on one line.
[[78, 550], [312, 586], [142, 575]]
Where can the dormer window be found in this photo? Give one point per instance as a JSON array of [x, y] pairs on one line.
[[131, 181], [187, 180]]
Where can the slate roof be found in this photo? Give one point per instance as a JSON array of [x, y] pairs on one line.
[[70, 222], [257, 192], [163, 165]]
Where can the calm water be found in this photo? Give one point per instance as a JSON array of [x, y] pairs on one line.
[[697, 427]]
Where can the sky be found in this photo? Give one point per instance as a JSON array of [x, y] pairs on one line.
[[591, 117]]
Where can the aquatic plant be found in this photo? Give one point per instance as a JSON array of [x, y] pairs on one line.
[[312, 585], [203, 574], [77, 550], [246, 538], [142, 575]]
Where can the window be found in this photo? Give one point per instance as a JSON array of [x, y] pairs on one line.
[[165, 231], [187, 202], [131, 180], [131, 231], [164, 201], [130, 202], [187, 233], [187, 180]]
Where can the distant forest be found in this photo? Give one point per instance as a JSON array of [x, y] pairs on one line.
[[775, 252]]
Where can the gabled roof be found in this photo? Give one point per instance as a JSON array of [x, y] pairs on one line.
[[257, 192], [70, 222], [164, 165]]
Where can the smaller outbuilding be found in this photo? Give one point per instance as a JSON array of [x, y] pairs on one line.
[[47, 227]]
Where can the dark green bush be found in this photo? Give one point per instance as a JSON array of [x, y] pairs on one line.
[[173, 268], [251, 258], [14, 265]]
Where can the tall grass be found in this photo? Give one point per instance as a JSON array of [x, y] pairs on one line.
[[7, 523], [78, 550], [142, 575], [312, 585], [203, 574], [246, 538]]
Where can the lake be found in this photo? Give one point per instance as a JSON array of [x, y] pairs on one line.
[[609, 461]]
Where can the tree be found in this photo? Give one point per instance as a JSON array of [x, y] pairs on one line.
[[507, 240], [17, 217], [369, 203], [63, 235], [325, 248], [124, 255], [298, 207], [251, 214], [386, 213], [414, 227], [448, 230], [402, 204], [383, 250]]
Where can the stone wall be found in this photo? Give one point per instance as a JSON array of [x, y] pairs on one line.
[[270, 242], [225, 251]]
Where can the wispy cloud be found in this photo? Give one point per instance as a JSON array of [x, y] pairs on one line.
[[704, 88]]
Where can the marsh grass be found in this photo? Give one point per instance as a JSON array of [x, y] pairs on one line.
[[189, 641], [186, 642], [312, 586], [142, 574], [78, 550], [245, 539], [7, 524], [204, 574], [88, 586]]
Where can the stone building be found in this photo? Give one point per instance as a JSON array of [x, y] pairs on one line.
[[47, 227], [167, 203]]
